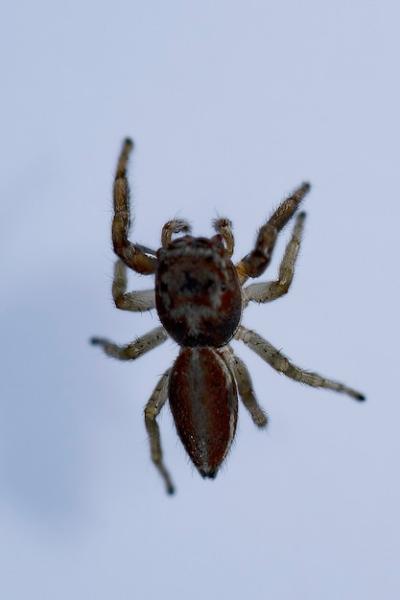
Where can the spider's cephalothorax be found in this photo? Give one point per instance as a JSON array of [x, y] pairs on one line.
[[199, 296]]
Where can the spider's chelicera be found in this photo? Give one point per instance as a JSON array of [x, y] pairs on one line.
[[199, 297]]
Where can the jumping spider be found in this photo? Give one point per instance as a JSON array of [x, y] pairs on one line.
[[199, 297]]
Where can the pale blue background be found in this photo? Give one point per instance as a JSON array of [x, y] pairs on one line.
[[232, 104]]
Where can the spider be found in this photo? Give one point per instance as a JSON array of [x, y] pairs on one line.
[[199, 297]]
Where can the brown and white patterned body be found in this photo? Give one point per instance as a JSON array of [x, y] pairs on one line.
[[199, 302], [199, 296]]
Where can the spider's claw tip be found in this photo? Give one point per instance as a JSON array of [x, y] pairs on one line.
[[128, 142], [360, 397], [301, 216], [170, 490], [94, 341]]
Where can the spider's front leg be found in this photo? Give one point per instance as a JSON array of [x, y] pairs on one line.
[[151, 412], [281, 363], [133, 255], [131, 351], [271, 290], [255, 263]]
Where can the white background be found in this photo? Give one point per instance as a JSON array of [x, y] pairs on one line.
[[231, 104]]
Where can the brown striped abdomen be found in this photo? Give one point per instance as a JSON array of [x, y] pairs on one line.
[[203, 400]]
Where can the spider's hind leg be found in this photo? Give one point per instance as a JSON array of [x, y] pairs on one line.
[[245, 386], [151, 412]]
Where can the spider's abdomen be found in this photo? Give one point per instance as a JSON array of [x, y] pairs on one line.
[[203, 400], [198, 295]]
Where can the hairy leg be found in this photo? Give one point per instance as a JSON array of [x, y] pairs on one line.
[[255, 263], [151, 412], [223, 226], [245, 386], [271, 290], [281, 363], [132, 254], [171, 227], [131, 351], [134, 301]]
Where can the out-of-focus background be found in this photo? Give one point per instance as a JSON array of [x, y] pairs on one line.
[[231, 105]]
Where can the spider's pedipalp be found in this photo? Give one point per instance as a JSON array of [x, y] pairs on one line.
[[133, 301], [271, 290], [132, 255], [151, 412], [131, 351], [245, 386], [255, 263], [171, 227], [281, 363], [223, 226]]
